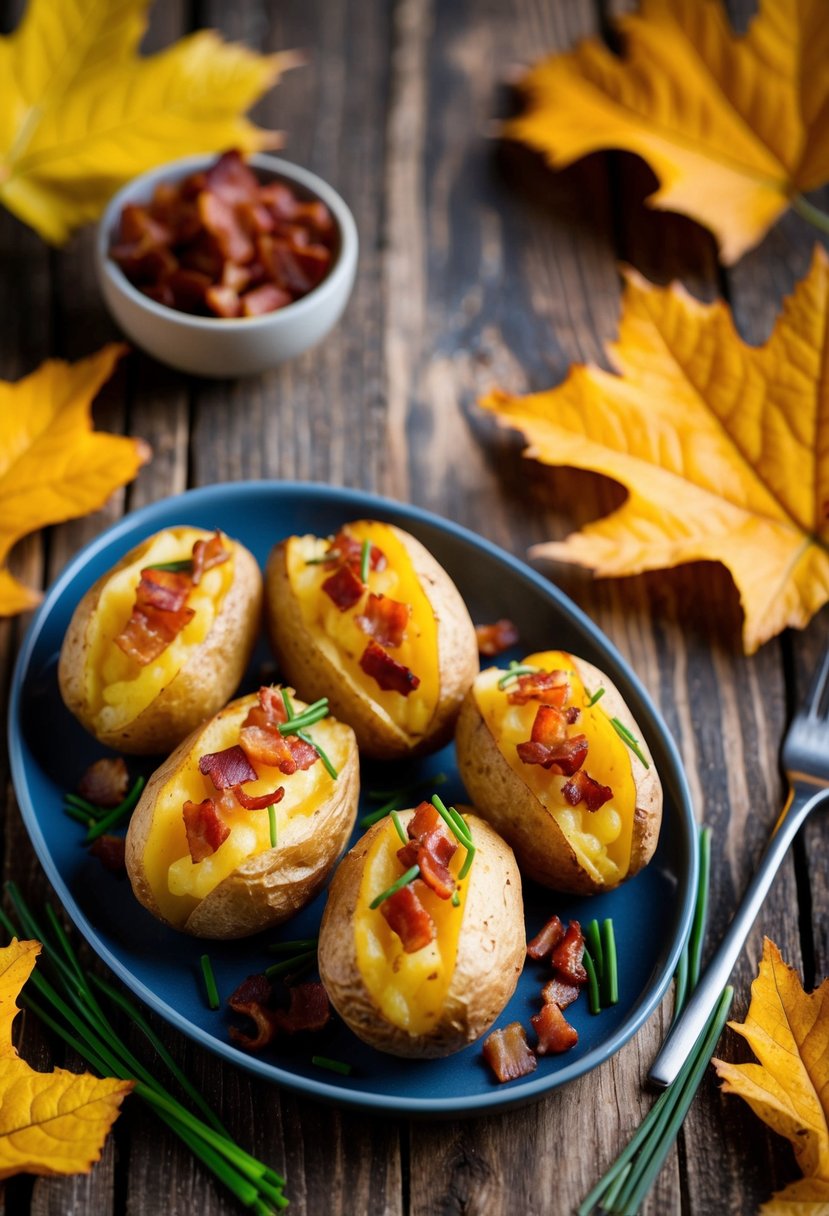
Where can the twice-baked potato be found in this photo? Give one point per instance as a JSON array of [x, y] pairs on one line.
[[199, 852], [162, 640], [416, 993], [369, 619], [553, 758]]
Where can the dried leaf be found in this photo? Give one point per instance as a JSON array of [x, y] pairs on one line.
[[723, 447], [50, 1123], [732, 126], [81, 113], [53, 466], [788, 1089]]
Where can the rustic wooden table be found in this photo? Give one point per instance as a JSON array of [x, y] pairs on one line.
[[478, 267]]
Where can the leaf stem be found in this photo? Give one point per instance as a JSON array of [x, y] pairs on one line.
[[809, 212]]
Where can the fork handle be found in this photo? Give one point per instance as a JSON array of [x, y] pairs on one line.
[[685, 1031]]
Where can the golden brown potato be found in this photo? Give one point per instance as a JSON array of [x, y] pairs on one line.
[[442, 997], [148, 707], [245, 884], [567, 833], [411, 612]]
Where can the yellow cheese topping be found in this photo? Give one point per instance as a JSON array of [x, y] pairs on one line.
[[409, 989], [117, 687], [178, 883], [600, 839], [343, 642]]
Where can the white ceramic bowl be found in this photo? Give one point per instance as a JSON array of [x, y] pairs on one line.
[[236, 346]]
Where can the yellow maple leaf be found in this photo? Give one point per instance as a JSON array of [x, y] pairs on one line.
[[53, 466], [788, 1089], [723, 447], [81, 113], [50, 1123], [733, 127]]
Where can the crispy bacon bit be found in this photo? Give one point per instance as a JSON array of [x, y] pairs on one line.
[[546, 940], [582, 787], [110, 852], [346, 548], [227, 768], [206, 555], [384, 620], [303, 754], [105, 782], [344, 587], [566, 957], [432, 848], [389, 674], [158, 615], [407, 917], [555, 1034], [258, 802], [309, 1010], [271, 705], [572, 714], [563, 757], [205, 829], [265, 745], [551, 687], [559, 993], [252, 998], [495, 639], [508, 1054]]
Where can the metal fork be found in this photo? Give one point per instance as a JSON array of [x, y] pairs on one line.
[[805, 758]]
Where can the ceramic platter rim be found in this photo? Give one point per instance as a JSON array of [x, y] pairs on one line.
[[208, 503]]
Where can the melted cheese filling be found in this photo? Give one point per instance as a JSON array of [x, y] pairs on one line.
[[600, 839]]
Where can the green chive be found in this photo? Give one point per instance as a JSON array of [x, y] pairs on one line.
[[680, 983], [291, 964], [400, 829], [610, 978], [516, 670], [82, 805], [394, 804], [631, 740], [298, 946], [332, 1065], [365, 557], [470, 857], [288, 703], [329, 767], [452, 819], [117, 813], [83, 817], [185, 564], [700, 909], [210, 982], [456, 900], [593, 939], [272, 824], [308, 717], [397, 799], [403, 881], [597, 696], [593, 1001]]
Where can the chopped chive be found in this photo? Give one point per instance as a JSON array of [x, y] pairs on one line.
[[210, 982], [365, 557], [597, 696], [117, 813], [288, 703], [394, 804], [323, 560], [403, 881], [332, 1065], [272, 825], [452, 819], [400, 829], [397, 798], [516, 670], [308, 717], [700, 909], [470, 857], [298, 946], [594, 944], [593, 1001], [83, 817], [610, 977], [456, 899], [329, 767], [291, 964], [628, 738], [680, 983], [186, 563], [81, 804]]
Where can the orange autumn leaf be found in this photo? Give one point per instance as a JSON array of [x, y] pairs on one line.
[[723, 447], [53, 466], [734, 127], [788, 1088], [50, 1123], [81, 112]]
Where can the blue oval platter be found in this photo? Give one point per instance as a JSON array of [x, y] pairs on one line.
[[49, 751]]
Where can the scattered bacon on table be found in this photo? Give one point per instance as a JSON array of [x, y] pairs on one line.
[[508, 1054], [308, 1012], [221, 243], [494, 639], [105, 782], [555, 1034], [110, 851]]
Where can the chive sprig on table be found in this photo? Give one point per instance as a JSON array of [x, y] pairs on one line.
[[210, 986], [600, 963], [395, 800], [99, 819]]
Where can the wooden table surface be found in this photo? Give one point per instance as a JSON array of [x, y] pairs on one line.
[[478, 267]]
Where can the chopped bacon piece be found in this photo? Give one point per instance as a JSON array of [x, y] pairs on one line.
[[562, 758], [572, 714], [508, 1054], [549, 726], [346, 548], [495, 639], [582, 787], [435, 875], [166, 590], [205, 829], [157, 617], [225, 226], [557, 992], [227, 768], [551, 687], [105, 782], [546, 940], [272, 704], [223, 301], [407, 917], [252, 998], [231, 180], [555, 1034], [344, 587], [265, 298], [384, 620], [258, 802], [303, 754], [110, 851], [309, 1010], [432, 848], [206, 555], [566, 957], [265, 745], [188, 288], [389, 674]]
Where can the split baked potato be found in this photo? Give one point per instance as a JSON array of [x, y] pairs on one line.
[[202, 861], [553, 758], [436, 999], [369, 619], [161, 641]]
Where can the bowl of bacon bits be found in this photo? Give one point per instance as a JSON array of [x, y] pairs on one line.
[[226, 266]]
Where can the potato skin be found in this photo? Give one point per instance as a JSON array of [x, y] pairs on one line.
[[491, 952], [306, 666], [543, 851], [206, 681], [266, 889]]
